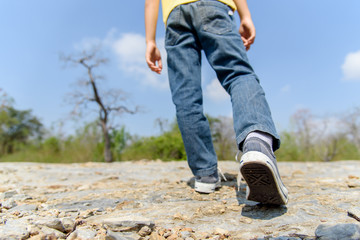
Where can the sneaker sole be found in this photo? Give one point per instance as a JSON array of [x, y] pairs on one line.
[[264, 185], [206, 187]]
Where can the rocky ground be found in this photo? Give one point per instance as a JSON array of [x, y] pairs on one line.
[[155, 200]]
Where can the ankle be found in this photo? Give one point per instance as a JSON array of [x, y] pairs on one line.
[[267, 138]]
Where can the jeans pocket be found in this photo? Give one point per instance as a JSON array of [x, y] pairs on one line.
[[172, 33], [216, 18]]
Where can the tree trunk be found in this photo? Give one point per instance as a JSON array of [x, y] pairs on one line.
[[107, 144]]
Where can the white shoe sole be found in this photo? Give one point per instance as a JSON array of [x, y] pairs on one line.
[[206, 187], [264, 182]]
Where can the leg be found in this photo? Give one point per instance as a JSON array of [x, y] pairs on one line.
[[184, 69], [227, 55], [252, 117]]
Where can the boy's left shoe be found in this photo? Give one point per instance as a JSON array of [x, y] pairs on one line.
[[259, 169], [207, 184]]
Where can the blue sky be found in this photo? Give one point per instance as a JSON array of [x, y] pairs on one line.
[[307, 55]]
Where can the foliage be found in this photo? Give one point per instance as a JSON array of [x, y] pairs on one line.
[[119, 141], [223, 136], [17, 128], [167, 146], [310, 138], [315, 138]]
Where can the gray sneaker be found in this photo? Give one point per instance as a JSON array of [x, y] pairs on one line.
[[207, 184], [259, 169]]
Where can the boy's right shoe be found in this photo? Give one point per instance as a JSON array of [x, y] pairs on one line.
[[259, 169], [207, 184]]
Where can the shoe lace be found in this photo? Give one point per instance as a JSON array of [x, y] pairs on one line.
[[221, 174], [239, 176], [237, 156]]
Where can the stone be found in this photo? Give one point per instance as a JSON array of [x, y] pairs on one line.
[[220, 231], [155, 236], [9, 203], [82, 233], [86, 204], [354, 213], [68, 224], [53, 223], [110, 235], [14, 229], [21, 197], [8, 194], [127, 223], [34, 230], [185, 234], [338, 231], [149, 192], [41, 237], [52, 232], [144, 231], [25, 208]]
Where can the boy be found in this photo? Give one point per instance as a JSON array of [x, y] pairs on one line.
[[208, 25]]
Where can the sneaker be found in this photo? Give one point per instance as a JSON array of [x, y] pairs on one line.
[[259, 169], [207, 184]]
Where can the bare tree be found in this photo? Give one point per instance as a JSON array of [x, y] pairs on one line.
[[108, 104], [352, 126], [303, 122], [318, 135], [223, 136], [5, 100], [327, 138]]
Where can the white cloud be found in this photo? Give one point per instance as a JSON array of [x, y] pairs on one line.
[[215, 91], [286, 89], [130, 51], [351, 66], [87, 44], [130, 48]]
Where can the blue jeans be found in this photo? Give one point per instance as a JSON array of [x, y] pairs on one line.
[[207, 25]]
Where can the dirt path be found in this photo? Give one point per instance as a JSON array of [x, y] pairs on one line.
[[155, 200]]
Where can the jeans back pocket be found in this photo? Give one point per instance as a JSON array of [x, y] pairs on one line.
[[215, 17]]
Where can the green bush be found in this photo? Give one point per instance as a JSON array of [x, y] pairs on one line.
[[167, 146]]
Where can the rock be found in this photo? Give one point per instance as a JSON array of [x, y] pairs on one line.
[[41, 237], [129, 223], [52, 232], [86, 204], [53, 223], [25, 208], [110, 235], [221, 232], [173, 236], [353, 183], [354, 213], [185, 234], [8, 194], [68, 224], [9, 203], [146, 192], [144, 231], [338, 231], [82, 233], [14, 229], [155, 236], [21, 197]]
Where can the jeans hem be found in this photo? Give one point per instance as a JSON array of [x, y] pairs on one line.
[[205, 172]]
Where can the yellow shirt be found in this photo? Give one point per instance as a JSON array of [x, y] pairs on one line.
[[169, 5]]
